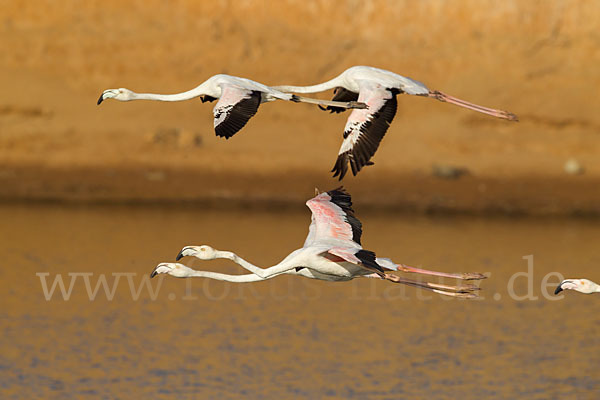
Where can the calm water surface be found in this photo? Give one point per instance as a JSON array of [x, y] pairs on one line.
[[290, 337]]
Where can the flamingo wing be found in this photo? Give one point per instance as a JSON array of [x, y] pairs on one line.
[[343, 95], [365, 128], [333, 219], [365, 258], [234, 108]]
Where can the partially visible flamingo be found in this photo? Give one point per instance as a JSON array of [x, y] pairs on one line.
[[331, 252], [239, 99], [365, 128], [580, 285]]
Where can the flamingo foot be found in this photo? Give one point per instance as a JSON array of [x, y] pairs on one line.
[[462, 291], [458, 295], [459, 289], [466, 276], [357, 104], [471, 276]]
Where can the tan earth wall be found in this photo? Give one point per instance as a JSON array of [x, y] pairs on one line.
[[538, 59]]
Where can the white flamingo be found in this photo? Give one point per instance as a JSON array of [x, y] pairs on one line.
[[331, 252], [365, 128], [580, 285], [239, 99]]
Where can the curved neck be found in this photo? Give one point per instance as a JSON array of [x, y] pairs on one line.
[[225, 277], [190, 94], [337, 81], [284, 267], [229, 255]]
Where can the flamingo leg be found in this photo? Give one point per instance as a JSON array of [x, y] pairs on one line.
[[459, 295], [325, 103], [467, 276], [463, 291], [471, 106]]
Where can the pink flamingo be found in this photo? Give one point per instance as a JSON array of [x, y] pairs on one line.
[[365, 128], [331, 252]]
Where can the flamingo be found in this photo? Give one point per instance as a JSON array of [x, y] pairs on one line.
[[239, 99], [581, 285], [332, 252], [365, 128]]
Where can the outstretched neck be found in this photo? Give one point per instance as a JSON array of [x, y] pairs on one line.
[[190, 94], [335, 82]]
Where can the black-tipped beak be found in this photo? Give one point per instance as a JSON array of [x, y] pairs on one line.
[[153, 274], [558, 288], [101, 99], [179, 256]]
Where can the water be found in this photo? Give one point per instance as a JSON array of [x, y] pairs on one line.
[[291, 337]]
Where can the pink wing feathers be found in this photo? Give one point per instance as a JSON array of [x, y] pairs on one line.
[[333, 219], [234, 108], [333, 222]]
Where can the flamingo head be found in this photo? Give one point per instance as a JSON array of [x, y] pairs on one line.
[[174, 269], [203, 252], [580, 285], [120, 94]]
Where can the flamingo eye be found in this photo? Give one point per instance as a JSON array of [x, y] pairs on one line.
[[202, 249]]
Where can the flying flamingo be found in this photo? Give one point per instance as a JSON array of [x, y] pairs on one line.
[[331, 252], [239, 99], [365, 128], [580, 285]]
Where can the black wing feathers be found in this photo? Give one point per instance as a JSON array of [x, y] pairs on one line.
[[342, 199], [208, 98], [367, 258], [238, 115], [343, 95], [371, 134]]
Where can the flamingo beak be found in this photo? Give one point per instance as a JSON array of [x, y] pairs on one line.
[[153, 274], [179, 256], [101, 99], [558, 288]]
